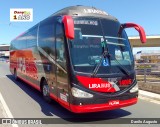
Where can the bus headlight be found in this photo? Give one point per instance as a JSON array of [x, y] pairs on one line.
[[134, 89], [80, 94]]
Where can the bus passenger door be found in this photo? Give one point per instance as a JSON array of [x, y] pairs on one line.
[[61, 73]]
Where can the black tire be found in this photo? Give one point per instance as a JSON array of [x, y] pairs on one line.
[[15, 75], [46, 91]]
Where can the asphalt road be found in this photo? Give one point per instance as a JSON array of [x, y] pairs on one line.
[[25, 102]]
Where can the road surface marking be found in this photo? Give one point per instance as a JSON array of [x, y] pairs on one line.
[[2, 76], [149, 99], [8, 112], [149, 94]]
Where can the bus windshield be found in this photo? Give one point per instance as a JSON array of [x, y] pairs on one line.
[[93, 36]]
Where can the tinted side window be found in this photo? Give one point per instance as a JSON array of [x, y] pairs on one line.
[[60, 49], [15, 45], [47, 36], [11, 46], [32, 37], [19, 43]]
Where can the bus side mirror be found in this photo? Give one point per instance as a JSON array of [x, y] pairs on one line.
[[69, 26], [137, 27]]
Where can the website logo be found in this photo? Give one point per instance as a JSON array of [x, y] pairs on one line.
[[21, 15]]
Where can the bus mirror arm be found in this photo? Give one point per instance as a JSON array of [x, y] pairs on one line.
[[68, 26], [137, 27]]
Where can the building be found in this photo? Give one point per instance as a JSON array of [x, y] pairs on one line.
[[4, 50], [151, 57]]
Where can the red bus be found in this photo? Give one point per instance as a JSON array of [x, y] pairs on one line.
[[80, 57]]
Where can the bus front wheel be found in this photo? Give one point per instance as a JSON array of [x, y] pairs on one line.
[[46, 91]]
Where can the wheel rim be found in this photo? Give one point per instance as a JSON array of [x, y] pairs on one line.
[[15, 75], [45, 90]]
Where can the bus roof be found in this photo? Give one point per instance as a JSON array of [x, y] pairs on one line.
[[80, 10]]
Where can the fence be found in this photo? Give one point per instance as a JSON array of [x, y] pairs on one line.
[[148, 72]]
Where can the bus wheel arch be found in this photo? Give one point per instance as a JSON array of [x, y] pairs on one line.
[[41, 83], [45, 90]]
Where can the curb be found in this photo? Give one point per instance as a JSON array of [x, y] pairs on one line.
[[153, 87], [3, 113], [149, 95]]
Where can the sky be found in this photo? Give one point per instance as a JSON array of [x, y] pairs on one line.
[[143, 12]]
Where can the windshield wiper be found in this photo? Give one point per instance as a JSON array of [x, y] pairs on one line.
[[124, 69], [104, 55], [108, 55]]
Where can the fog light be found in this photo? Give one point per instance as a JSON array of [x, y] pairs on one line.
[[80, 94], [134, 89]]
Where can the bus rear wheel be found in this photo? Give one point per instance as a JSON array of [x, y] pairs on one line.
[[15, 75], [46, 91]]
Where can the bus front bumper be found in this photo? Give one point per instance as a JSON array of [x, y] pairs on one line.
[[102, 107]]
